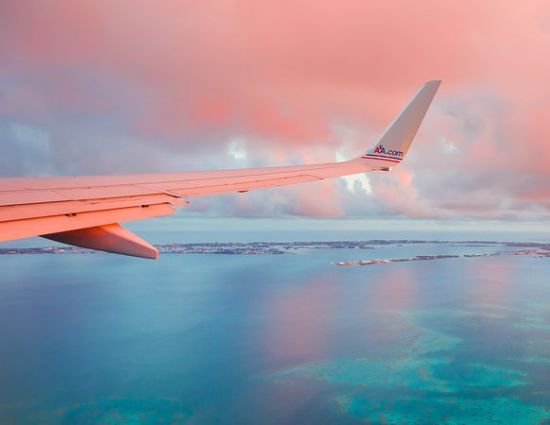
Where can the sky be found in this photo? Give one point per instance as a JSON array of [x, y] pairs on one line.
[[125, 86]]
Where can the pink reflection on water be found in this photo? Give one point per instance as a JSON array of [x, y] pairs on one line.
[[385, 297], [393, 291], [494, 279], [299, 329]]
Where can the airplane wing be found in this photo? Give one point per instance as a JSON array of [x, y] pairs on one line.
[[86, 210]]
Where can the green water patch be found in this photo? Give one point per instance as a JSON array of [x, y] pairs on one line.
[[121, 411], [411, 364], [412, 373], [430, 376], [485, 377], [445, 410]]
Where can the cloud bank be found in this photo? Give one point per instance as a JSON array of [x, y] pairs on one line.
[[137, 86]]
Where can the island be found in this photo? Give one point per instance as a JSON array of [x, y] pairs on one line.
[[535, 249]]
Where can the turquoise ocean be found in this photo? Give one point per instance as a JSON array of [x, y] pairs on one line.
[[275, 339]]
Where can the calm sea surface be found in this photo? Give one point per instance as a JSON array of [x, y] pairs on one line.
[[275, 339]]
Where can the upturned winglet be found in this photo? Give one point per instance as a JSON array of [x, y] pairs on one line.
[[394, 143]]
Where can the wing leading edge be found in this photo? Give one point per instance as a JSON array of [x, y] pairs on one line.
[[85, 210]]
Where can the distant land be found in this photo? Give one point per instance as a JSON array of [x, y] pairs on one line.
[[537, 252], [280, 248]]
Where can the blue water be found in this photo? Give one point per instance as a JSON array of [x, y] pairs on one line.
[[275, 339]]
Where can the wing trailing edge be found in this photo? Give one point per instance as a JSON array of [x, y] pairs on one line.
[[47, 225]]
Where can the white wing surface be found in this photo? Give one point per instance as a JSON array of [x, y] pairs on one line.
[[85, 210]]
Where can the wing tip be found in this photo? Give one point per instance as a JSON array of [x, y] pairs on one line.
[[394, 143]]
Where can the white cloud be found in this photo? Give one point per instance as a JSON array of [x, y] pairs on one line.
[[236, 148], [26, 149], [355, 182], [448, 147]]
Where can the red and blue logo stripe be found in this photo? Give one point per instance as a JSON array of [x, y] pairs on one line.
[[379, 153]]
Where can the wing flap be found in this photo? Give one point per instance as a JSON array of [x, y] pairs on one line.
[[60, 223], [257, 180], [37, 196], [21, 212], [240, 186], [114, 191], [30, 196]]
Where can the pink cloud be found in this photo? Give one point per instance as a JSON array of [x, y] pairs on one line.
[[185, 77]]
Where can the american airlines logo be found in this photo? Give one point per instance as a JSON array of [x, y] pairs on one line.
[[382, 151]]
